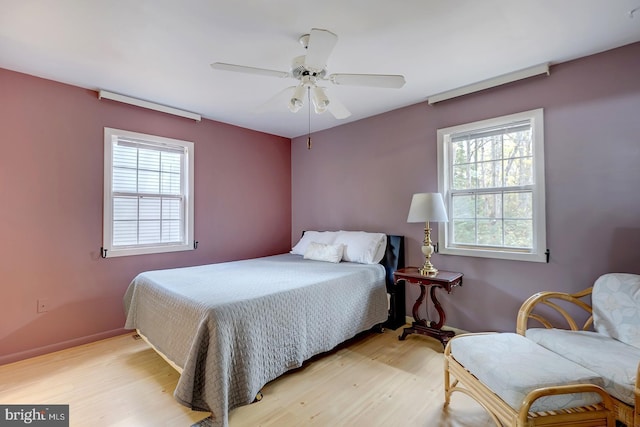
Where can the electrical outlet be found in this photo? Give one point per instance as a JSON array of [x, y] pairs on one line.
[[43, 305]]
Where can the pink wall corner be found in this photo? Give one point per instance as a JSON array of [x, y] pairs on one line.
[[362, 175], [51, 180]]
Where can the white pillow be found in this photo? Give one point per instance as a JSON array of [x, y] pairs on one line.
[[327, 237], [362, 247], [324, 252]]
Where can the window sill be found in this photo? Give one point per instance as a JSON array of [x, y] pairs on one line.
[[479, 253], [112, 253]]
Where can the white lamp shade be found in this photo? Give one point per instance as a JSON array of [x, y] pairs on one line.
[[427, 207]]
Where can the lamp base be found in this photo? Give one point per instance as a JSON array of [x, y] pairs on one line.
[[428, 269], [427, 249]]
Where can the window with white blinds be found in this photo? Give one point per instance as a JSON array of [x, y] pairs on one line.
[[148, 194], [491, 175]]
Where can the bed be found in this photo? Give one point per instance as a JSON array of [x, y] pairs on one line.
[[230, 328]]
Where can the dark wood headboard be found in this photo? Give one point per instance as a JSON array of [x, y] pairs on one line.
[[394, 259]]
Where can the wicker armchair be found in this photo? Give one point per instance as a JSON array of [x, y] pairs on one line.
[[542, 306]]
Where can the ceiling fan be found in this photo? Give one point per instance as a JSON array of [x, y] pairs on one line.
[[310, 70]]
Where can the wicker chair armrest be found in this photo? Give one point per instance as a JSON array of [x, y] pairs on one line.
[[551, 299], [533, 395]]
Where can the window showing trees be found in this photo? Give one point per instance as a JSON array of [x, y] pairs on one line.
[[148, 204], [491, 174]]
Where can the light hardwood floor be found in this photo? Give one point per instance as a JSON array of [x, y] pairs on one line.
[[374, 380]]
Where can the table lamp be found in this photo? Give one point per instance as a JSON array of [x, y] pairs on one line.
[[427, 207]]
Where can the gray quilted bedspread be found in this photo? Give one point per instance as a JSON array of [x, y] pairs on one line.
[[232, 327]]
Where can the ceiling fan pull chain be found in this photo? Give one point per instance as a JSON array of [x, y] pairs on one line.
[[309, 117]]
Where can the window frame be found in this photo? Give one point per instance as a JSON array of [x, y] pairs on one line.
[[111, 136], [538, 251]]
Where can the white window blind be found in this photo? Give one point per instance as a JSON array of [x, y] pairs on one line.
[[492, 176], [148, 193]]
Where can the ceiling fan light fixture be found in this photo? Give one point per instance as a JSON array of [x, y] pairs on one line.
[[319, 99], [295, 105], [319, 109], [297, 100]]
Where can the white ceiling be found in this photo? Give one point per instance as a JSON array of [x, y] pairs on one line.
[[160, 50]]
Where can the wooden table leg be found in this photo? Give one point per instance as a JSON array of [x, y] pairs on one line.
[[418, 303], [417, 320], [421, 326], [445, 280], [441, 315]]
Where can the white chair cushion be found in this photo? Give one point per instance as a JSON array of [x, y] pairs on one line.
[[614, 361], [616, 307], [512, 366]]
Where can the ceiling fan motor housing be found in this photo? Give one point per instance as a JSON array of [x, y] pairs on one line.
[[298, 69]]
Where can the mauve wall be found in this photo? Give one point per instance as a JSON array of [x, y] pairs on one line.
[[362, 176], [51, 180]]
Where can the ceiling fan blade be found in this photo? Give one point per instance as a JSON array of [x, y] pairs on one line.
[[337, 108], [249, 70], [372, 80], [321, 44], [278, 102]]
